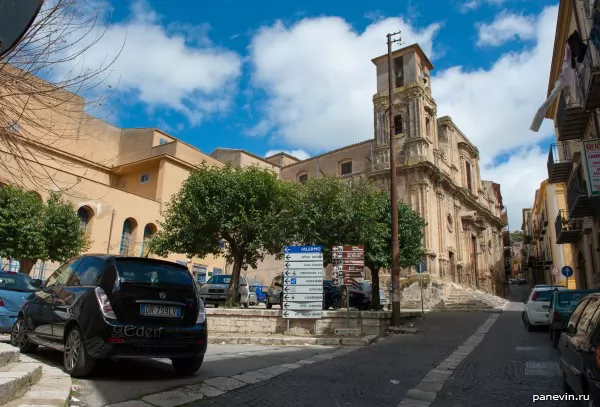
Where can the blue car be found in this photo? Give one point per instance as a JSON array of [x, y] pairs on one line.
[[260, 295], [15, 288]]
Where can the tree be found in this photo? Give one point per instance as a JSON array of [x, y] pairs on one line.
[[31, 230], [373, 229], [516, 236], [36, 114], [21, 226], [245, 207], [62, 231]]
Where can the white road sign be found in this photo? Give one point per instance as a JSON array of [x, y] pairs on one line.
[[303, 273], [304, 265], [303, 257], [302, 314], [303, 282], [303, 297], [303, 289], [303, 305]]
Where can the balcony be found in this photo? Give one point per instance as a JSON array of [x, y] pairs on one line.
[[571, 117], [536, 231], [567, 230], [559, 163], [580, 204], [590, 77]]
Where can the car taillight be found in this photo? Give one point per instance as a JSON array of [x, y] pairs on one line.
[[555, 316], [104, 303], [534, 296], [1, 303], [201, 312]]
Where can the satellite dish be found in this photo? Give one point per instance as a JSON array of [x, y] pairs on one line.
[[16, 17]]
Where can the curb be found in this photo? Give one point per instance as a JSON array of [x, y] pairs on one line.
[[293, 340]]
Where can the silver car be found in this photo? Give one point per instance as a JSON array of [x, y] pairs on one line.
[[215, 290]]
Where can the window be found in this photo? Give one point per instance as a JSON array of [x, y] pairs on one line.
[[142, 271], [346, 168], [144, 178], [303, 178], [87, 272], [162, 141], [217, 271], [219, 279], [398, 124], [576, 314], [427, 127], [584, 324], [399, 71], [84, 218], [16, 282], [62, 274], [127, 243], [469, 181]]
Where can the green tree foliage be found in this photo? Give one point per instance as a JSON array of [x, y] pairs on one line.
[[516, 236], [246, 207], [31, 230], [63, 234]]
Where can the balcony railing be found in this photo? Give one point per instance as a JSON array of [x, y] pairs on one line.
[[568, 230], [590, 77], [559, 163], [580, 204], [571, 117]]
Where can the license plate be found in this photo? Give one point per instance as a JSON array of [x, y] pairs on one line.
[[160, 311]]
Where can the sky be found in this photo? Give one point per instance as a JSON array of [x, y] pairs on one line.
[[269, 76]]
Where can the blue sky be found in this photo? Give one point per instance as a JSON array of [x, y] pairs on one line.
[[268, 76]]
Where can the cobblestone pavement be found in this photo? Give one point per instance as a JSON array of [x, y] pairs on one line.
[[379, 375], [508, 367]]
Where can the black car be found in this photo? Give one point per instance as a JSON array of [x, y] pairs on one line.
[[332, 295], [103, 306]]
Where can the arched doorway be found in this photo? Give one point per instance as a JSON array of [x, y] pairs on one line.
[[127, 246], [85, 215], [149, 230]]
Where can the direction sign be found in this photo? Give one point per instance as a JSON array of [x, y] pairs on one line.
[[303, 249], [347, 255], [303, 289], [304, 265], [303, 257], [303, 282], [351, 262], [345, 267], [567, 271], [302, 314], [303, 273], [303, 305], [359, 248], [303, 297], [352, 274]]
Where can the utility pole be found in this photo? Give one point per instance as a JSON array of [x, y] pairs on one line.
[[393, 188]]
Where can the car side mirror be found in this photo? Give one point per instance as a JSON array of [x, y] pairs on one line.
[[37, 283]]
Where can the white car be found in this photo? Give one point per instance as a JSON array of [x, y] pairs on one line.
[[215, 290], [537, 306]]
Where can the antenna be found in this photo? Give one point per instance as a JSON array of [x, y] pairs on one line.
[[16, 17]]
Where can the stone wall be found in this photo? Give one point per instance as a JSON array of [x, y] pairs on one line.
[[271, 322], [433, 295]]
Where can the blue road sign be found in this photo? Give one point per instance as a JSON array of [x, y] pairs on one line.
[[567, 271], [292, 281], [421, 267], [302, 249]]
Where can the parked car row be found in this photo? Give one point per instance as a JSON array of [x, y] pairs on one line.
[[573, 321], [104, 306]]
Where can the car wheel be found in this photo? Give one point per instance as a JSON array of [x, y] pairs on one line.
[[18, 337], [246, 305], [187, 366], [76, 360], [216, 305], [336, 302], [268, 304]]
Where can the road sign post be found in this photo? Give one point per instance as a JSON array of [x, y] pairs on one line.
[[348, 264], [302, 283], [567, 272], [420, 270]]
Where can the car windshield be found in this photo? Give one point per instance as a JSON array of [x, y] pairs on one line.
[[220, 279], [544, 295], [570, 299], [145, 272], [16, 282]]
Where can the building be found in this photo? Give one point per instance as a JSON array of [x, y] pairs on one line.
[[573, 163], [438, 175], [547, 254]]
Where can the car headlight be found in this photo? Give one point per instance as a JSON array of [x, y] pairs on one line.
[[201, 312]]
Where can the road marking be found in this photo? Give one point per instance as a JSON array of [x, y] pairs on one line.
[[527, 348], [217, 386], [425, 393], [534, 368]]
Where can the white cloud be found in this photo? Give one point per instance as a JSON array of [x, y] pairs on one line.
[[299, 154], [177, 67], [469, 5], [506, 27], [320, 92]]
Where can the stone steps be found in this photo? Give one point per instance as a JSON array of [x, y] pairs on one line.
[[25, 382], [460, 298]]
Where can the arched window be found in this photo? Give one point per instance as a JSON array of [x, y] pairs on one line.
[[127, 237], [84, 214], [149, 231]]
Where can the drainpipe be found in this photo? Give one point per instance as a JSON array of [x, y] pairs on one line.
[[112, 220]]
